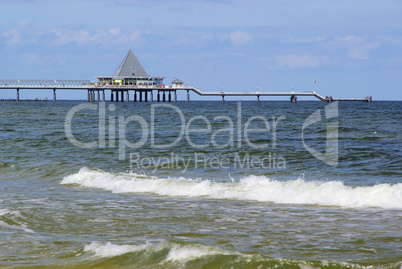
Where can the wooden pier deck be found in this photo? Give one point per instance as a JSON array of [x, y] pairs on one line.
[[146, 94]]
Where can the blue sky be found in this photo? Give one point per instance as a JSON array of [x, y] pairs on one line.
[[352, 48]]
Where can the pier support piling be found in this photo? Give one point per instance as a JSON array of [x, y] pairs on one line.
[[127, 97], [135, 96], [151, 99], [170, 96], [368, 99], [175, 96], [159, 96], [103, 96], [164, 96], [223, 98], [146, 96], [54, 95], [293, 98], [258, 98], [188, 96], [18, 95], [98, 96], [111, 96]]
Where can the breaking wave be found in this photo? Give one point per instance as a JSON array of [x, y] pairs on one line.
[[251, 188], [174, 252], [14, 220], [168, 254]]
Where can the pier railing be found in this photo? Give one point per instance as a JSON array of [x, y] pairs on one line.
[[44, 84], [253, 93]]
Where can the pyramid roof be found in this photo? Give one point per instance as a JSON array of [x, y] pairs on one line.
[[130, 67]]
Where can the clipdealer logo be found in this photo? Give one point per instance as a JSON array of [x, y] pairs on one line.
[[200, 160], [112, 130], [238, 131], [330, 156]]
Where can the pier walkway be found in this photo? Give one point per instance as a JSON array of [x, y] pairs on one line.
[[146, 93]]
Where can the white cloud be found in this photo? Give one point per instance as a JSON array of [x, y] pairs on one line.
[[307, 39], [16, 35], [356, 47], [13, 36], [114, 31], [240, 38], [135, 36], [82, 37], [132, 38], [293, 61], [362, 51]]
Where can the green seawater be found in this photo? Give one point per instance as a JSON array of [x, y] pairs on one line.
[[200, 185]]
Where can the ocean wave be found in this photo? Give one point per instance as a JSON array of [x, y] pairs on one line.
[[166, 254], [13, 219], [173, 252], [169, 254], [250, 188], [111, 250]]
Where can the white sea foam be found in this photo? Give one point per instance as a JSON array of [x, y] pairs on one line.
[[177, 252], [4, 211], [14, 217], [254, 188], [111, 250], [180, 253]]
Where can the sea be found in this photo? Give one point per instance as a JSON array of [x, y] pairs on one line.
[[200, 184]]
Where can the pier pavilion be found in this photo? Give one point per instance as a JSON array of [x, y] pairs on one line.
[[130, 74]]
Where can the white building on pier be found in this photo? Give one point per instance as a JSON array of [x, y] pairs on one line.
[[131, 73]]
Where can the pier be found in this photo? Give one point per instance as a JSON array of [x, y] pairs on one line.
[[123, 93], [131, 79]]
